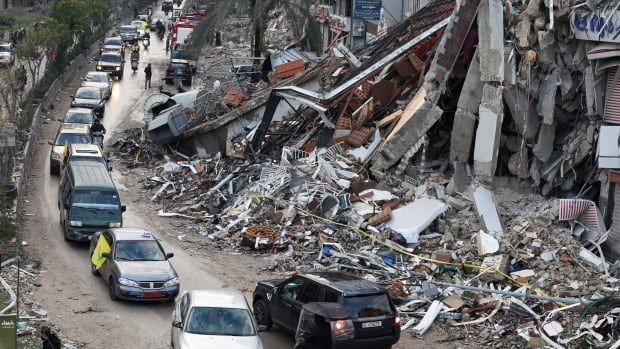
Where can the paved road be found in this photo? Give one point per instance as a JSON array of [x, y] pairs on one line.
[[78, 301]]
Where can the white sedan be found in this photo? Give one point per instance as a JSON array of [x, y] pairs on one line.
[[101, 80], [210, 319]]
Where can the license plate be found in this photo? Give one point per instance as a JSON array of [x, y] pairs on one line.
[[371, 324], [151, 295]]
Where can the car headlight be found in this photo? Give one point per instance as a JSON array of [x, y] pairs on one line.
[[55, 156], [172, 282], [127, 282], [115, 225], [75, 223], [118, 68], [99, 67]]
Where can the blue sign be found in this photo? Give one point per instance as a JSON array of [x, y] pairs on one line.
[[368, 9]]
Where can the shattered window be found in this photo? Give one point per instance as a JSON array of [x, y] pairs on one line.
[[368, 306]]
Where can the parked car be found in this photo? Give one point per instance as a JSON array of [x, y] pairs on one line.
[[79, 116], [375, 320], [153, 24], [179, 68], [84, 152], [67, 134], [88, 201], [113, 44], [142, 26], [112, 63], [129, 33], [102, 80], [218, 318], [136, 268], [7, 56], [91, 98], [143, 18]]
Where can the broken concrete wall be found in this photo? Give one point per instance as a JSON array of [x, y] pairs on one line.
[[423, 116]]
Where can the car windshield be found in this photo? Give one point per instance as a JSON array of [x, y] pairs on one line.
[[113, 42], [110, 58], [96, 78], [139, 250], [137, 23], [220, 322], [180, 66], [128, 29], [5, 48], [87, 94], [95, 198], [74, 138], [368, 306], [79, 118]]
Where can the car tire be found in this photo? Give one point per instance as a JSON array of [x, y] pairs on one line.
[[112, 289], [261, 313], [64, 233]]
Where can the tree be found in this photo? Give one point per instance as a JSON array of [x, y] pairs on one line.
[[47, 37]]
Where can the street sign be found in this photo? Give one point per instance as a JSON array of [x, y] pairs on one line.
[[368, 9], [8, 331]]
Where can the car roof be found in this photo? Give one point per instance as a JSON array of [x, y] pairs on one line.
[[132, 234], [221, 298], [113, 38], [347, 284], [5, 44], [74, 128], [111, 53], [85, 150], [180, 61], [90, 175]]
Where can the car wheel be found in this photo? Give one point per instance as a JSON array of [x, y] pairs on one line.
[[64, 232], [112, 287], [261, 313]]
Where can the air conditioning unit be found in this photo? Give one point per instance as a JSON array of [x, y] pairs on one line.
[[358, 30]]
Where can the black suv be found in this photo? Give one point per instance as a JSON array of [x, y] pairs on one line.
[[375, 319]]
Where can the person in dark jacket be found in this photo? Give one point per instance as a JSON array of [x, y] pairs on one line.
[[50, 340], [147, 73]]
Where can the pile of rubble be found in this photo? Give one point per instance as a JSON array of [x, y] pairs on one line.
[[402, 169], [31, 315]]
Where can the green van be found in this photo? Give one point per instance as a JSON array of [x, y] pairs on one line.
[[88, 200]]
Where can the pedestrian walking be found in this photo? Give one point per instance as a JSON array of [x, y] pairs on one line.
[[50, 340], [147, 72]]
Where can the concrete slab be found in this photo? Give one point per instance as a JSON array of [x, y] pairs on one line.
[[487, 211]]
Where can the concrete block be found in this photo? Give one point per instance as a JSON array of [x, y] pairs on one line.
[[544, 147], [523, 111], [487, 211], [546, 97]]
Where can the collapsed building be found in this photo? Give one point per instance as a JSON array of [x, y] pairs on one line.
[[476, 136]]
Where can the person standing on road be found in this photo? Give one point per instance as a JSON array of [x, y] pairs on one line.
[[147, 73]]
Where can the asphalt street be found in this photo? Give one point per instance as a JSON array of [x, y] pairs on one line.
[[117, 324]]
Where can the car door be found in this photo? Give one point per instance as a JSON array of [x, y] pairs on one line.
[[311, 292], [180, 314], [282, 303], [106, 267]]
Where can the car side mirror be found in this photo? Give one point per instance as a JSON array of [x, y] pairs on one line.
[[177, 324], [262, 328], [169, 255], [50, 142], [107, 255], [71, 96], [123, 208]]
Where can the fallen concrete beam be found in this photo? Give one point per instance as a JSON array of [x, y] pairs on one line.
[[489, 132], [465, 117], [491, 40], [546, 99]]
